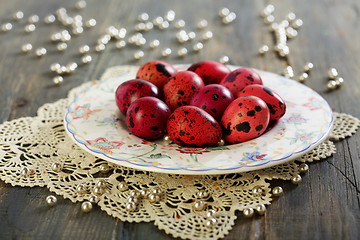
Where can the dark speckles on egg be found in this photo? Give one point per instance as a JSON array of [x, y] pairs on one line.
[[250, 113], [243, 127]]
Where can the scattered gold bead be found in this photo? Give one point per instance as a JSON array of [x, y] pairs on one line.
[[339, 81], [291, 32], [269, 8], [6, 27], [269, 19], [86, 206], [211, 213], [130, 206], [202, 195], [332, 73], [199, 205], [182, 52], [30, 28], [80, 189], [139, 54], [133, 199], [221, 143], [98, 190], [202, 24], [154, 198], [170, 16], [166, 52], [198, 46], [291, 16], [331, 85], [260, 209], [93, 199], [25, 172], [77, 30], [27, 47], [211, 222], [54, 67], [71, 66], [90, 23], [164, 25], [289, 72], [61, 70], [167, 140], [122, 186], [18, 15], [100, 47], [143, 17], [191, 35], [297, 23], [248, 212], [101, 183], [144, 193], [303, 77], [224, 59], [104, 168], [40, 52], [224, 12], [257, 190], [180, 24], [120, 44], [51, 200], [49, 19], [229, 18], [158, 20], [56, 167], [84, 49], [308, 67], [207, 35], [33, 19], [61, 47], [277, 191], [86, 59], [135, 193], [303, 168], [296, 179], [80, 5], [155, 43], [263, 49]]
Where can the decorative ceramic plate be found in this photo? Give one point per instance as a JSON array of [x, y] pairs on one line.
[[94, 123]]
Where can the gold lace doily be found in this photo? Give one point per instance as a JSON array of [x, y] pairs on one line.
[[30, 147]]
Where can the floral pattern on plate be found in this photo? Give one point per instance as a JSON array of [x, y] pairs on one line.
[[94, 123]]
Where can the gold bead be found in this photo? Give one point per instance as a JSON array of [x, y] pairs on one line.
[[289, 72], [144, 193], [198, 46], [202, 24], [155, 43], [180, 24], [332, 73], [202, 195], [80, 5], [56, 167], [339, 81], [157, 191], [27, 47], [308, 67], [135, 193], [303, 168], [90, 23], [257, 190], [71, 67], [86, 206], [18, 15], [101, 183], [224, 12], [153, 198], [49, 19], [51, 200], [221, 143], [166, 52], [164, 25], [84, 49], [297, 23], [199, 205], [170, 16], [86, 59], [61, 46], [93, 199], [260, 209], [211, 222], [143, 17], [211, 213], [130, 206], [133, 199], [248, 212], [25, 172], [269, 19], [98, 190], [139, 54], [263, 49], [290, 16], [303, 77], [104, 168], [6, 27], [33, 19], [40, 52], [182, 52], [224, 59], [30, 28], [296, 179], [100, 47], [81, 189], [277, 191], [120, 44], [207, 35], [122, 186], [331, 85], [167, 140]]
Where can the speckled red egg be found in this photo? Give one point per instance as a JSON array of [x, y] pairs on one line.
[[245, 118], [147, 117], [273, 100], [192, 126], [240, 78], [214, 99], [156, 72], [129, 91], [180, 88], [211, 72]]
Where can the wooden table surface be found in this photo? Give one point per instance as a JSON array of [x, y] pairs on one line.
[[326, 205]]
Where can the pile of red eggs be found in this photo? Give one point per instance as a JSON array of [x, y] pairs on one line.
[[200, 106]]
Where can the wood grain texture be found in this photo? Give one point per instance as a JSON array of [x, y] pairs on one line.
[[326, 205]]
